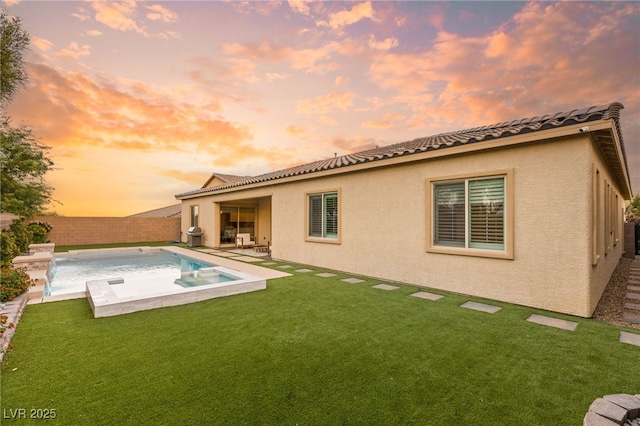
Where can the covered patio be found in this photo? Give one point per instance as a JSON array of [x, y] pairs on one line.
[[235, 217]]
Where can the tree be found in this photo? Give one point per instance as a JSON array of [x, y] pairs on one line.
[[23, 160], [13, 40], [23, 166], [632, 212]]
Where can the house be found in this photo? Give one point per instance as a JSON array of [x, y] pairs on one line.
[[528, 212], [174, 210]]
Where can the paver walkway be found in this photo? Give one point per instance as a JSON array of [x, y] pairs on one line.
[[631, 310]]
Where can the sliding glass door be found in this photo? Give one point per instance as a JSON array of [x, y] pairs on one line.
[[236, 220]]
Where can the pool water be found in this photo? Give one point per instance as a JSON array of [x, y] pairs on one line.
[[159, 269]]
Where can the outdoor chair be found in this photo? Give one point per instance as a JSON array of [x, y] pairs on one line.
[[243, 240]]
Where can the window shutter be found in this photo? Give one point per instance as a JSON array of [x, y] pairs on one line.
[[315, 215], [486, 213], [331, 215], [450, 214]]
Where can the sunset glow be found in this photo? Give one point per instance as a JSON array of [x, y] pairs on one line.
[[144, 100]]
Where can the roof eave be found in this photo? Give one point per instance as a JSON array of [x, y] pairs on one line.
[[612, 149], [522, 138]]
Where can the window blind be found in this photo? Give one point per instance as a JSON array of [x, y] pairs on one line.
[[486, 213], [450, 214], [315, 215], [331, 215]]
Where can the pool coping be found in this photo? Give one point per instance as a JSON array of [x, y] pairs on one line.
[[104, 301]]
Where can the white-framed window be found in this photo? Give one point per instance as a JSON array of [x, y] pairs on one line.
[[472, 215], [323, 216]]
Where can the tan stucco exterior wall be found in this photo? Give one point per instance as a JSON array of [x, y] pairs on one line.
[[383, 225], [610, 250]]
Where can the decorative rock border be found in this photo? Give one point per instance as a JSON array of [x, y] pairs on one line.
[[617, 409], [13, 311]]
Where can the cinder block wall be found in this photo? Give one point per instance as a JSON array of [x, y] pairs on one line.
[[110, 230]]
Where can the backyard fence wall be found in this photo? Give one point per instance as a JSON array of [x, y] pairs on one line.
[[110, 230]]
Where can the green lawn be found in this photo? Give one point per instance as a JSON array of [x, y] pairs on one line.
[[312, 351]]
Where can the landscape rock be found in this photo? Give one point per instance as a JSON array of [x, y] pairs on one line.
[[609, 410], [628, 402], [593, 419]]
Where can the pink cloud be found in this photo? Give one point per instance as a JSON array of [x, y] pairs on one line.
[[117, 15], [300, 6], [344, 18], [75, 51], [41, 43], [386, 44], [326, 104], [353, 145], [551, 57], [264, 51], [127, 116], [161, 13], [386, 122]]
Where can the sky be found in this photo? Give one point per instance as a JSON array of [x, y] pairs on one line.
[[143, 100]]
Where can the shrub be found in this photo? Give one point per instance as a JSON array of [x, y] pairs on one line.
[[8, 248], [47, 226], [39, 230], [23, 236], [13, 283]]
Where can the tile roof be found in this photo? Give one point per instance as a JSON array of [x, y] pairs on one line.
[[169, 211], [437, 142], [224, 178]]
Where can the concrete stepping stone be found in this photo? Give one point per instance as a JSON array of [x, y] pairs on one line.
[[426, 295], [632, 306], [352, 280], [552, 322], [482, 307], [285, 266], [325, 275], [269, 263], [386, 287], [304, 270], [227, 254], [248, 259], [626, 316], [630, 338], [633, 288], [635, 296], [206, 250]]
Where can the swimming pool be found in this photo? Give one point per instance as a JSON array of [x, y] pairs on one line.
[[121, 281], [145, 267]]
